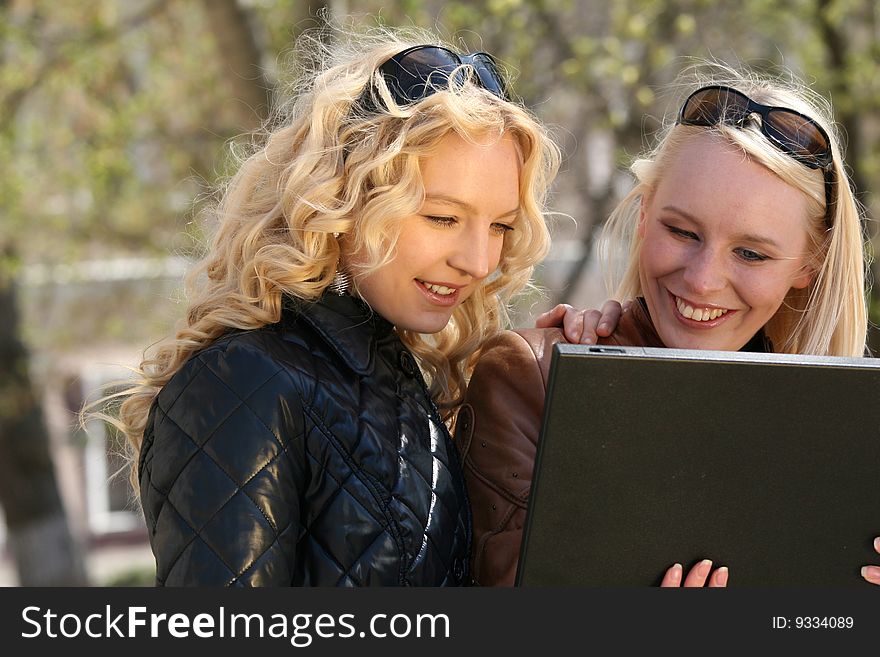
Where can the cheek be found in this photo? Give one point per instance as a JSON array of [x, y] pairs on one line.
[[654, 243], [654, 256], [646, 255], [371, 286], [415, 248], [763, 290], [496, 248]]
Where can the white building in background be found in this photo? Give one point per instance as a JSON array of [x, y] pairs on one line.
[[86, 325]]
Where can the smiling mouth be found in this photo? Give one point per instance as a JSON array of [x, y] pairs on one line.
[[441, 290], [698, 314]]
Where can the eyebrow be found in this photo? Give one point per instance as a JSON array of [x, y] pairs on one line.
[[451, 200], [757, 239]]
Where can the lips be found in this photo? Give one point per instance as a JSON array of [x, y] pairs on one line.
[[698, 314], [439, 294]]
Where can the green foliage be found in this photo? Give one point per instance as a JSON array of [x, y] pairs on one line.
[[145, 576], [115, 117]]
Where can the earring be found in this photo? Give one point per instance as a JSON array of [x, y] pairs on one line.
[[341, 279], [341, 282]]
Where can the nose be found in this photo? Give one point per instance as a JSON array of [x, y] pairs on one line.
[[705, 273], [473, 254]]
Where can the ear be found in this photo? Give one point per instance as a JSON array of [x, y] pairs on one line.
[[803, 278], [643, 214]]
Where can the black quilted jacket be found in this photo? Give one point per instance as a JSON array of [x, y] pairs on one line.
[[307, 453]]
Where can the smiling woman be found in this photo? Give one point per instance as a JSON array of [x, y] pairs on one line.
[[741, 233], [293, 432], [759, 193]]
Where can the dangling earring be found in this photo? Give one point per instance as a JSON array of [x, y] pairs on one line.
[[341, 279], [341, 283]]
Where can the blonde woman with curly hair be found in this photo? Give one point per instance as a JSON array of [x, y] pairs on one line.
[[294, 430], [741, 233]]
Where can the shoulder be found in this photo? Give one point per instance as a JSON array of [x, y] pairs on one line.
[[540, 343], [237, 387], [230, 415], [635, 328], [514, 353], [237, 366], [523, 342]]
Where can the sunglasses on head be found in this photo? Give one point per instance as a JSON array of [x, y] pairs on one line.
[[416, 73], [791, 132]]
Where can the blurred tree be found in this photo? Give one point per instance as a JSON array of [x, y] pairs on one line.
[[39, 536], [41, 543], [241, 58]]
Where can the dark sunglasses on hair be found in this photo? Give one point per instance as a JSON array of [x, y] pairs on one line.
[[791, 132], [417, 72]]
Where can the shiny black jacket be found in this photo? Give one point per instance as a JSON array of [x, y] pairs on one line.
[[306, 453]]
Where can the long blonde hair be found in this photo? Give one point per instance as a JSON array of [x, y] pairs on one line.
[[329, 170], [829, 317]]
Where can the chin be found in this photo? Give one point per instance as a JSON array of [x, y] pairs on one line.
[[686, 341], [426, 326]]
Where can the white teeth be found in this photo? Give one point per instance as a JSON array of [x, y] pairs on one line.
[[698, 314], [439, 289]]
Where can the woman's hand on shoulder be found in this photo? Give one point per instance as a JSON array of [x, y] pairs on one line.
[[583, 326], [872, 573], [698, 576]]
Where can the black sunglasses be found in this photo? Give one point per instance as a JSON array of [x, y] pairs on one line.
[[791, 132], [416, 73]]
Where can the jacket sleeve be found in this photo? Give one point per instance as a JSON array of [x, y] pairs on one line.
[[221, 470], [497, 433]]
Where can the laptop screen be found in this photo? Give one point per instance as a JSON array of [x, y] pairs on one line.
[[766, 463]]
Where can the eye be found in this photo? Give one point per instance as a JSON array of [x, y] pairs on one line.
[[440, 220], [681, 232], [750, 256], [499, 228]]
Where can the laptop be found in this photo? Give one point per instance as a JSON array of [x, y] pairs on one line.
[[766, 463]]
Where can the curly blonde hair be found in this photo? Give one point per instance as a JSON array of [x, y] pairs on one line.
[[327, 167], [830, 316]]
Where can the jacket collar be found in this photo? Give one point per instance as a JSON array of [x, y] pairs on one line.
[[346, 323]]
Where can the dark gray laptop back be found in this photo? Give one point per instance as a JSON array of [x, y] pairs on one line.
[[768, 464]]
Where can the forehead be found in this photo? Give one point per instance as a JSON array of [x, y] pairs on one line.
[[453, 146], [717, 183], [479, 168]]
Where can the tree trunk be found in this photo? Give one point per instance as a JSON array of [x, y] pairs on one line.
[[241, 52], [39, 537], [241, 58]]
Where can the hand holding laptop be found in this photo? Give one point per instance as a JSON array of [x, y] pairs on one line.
[[698, 576], [872, 573]]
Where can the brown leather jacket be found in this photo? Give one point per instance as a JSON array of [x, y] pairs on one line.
[[497, 434]]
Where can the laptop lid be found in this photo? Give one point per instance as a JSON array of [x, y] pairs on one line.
[[766, 463]]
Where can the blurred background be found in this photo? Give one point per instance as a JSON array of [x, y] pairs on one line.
[[117, 118]]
